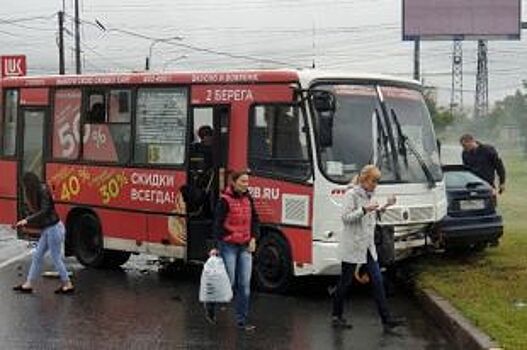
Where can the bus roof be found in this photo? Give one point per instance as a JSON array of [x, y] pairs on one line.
[[306, 77]]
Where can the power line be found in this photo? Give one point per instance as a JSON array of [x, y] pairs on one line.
[[26, 19], [190, 46]]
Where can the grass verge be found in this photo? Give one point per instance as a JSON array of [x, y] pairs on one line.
[[490, 288]]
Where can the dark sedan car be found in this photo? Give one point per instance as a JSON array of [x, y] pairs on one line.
[[472, 222]]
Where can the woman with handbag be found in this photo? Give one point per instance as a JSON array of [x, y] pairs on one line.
[[357, 247], [236, 225], [44, 217]]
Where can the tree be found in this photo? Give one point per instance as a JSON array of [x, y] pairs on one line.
[[512, 111], [441, 117]]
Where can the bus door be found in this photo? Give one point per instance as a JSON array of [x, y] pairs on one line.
[[207, 159], [32, 143], [8, 152], [32, 147]]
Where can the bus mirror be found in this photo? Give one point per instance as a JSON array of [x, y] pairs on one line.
[[323, 102], [325, 132]]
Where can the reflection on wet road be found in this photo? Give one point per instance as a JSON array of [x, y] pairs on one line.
[[137, 308]]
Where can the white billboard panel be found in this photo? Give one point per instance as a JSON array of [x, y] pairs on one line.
[[461, 19]]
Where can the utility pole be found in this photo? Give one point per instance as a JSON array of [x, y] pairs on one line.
[[417, 59], [77, 40], [481, 105], [456, 97], [61, 42]]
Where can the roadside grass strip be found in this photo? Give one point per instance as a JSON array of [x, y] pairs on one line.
[[490, 288]]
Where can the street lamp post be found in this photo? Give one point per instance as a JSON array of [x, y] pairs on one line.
[[148, 60], [103, 28], [172, 60]]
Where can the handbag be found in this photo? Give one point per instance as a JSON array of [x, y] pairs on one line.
[[385, 245]]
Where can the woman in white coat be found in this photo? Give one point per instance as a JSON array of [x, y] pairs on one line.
[[357, 246]]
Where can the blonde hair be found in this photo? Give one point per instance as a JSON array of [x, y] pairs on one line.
[[369, 171]]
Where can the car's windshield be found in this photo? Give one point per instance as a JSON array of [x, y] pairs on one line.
[[363, 132]]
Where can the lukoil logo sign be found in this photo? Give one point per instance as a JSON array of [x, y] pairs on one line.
[[13, 66]]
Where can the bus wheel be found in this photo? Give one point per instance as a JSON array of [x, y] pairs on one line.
[[87, 234], [115, 258], [89, 249], [273, 267]]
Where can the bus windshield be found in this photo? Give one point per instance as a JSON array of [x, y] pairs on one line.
[[413, 135], [394, 132]]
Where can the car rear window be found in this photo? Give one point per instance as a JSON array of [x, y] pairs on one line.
[[462, 178]]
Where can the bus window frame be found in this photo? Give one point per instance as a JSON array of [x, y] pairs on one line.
[[182, 166], [104, 90], [271, 175], [350, 81], [52, 95], [134, 93], [3, 124]]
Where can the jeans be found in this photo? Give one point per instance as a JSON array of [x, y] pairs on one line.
[[346, 279], [238, 263], [51, 239]]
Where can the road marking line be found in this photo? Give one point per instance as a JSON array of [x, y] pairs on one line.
[[14, 259]]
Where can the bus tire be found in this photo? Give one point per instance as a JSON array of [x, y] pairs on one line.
[[88, 244], [273, 264], [115, 258], [87, 235]]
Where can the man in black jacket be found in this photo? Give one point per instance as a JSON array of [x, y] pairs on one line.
[[483, 160]]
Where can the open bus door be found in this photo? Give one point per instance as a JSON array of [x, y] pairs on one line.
[[207, 160]]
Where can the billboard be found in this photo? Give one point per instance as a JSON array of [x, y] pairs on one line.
[[461, 19]]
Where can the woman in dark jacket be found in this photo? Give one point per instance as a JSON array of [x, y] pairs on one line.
[[235, 227], [44, 218]]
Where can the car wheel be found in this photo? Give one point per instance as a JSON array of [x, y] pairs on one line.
[[479, 247]]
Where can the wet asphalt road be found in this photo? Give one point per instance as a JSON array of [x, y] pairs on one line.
[[10, 247], [138, 308]]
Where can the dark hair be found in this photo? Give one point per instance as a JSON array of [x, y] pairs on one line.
[[234, 175], [31, 184], [466, 137], [204, 130]]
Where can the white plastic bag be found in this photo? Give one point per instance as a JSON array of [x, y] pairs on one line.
[[215, 286]]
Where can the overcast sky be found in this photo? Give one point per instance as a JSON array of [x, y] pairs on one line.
[[355, 35]]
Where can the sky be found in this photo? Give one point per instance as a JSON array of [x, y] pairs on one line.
[[351, 35]]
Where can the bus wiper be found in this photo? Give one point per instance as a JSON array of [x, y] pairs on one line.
[[402, 139], [405, 142], [382, 139]]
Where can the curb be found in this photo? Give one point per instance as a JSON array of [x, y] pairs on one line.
[[459, 330]]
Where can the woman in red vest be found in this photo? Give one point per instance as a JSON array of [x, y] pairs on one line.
[[235, 227]]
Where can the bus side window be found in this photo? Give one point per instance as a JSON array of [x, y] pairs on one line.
[[9, 123], [96, 109], [278, 142], [161, 126], [107, 127]]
